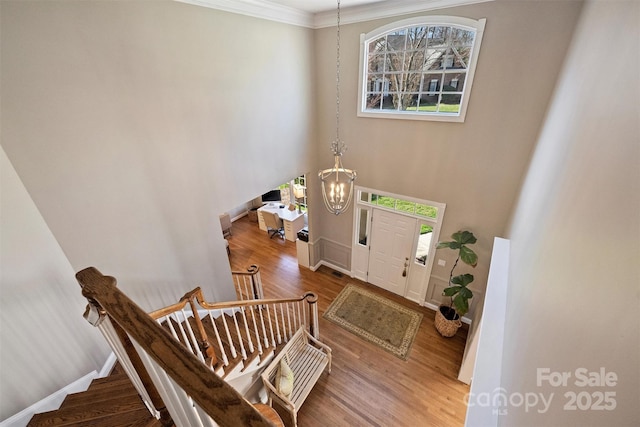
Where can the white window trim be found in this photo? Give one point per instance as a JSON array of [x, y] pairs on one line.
[[467, 23]]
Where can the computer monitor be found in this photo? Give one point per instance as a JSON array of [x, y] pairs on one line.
[[271, 196]]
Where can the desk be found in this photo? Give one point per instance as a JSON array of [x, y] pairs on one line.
[[293, 221]]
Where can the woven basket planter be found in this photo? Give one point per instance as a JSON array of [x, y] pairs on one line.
[[446, 328]]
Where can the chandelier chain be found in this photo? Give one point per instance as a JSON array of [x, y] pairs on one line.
[[338, 81]]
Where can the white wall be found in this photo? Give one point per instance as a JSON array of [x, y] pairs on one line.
[[46, 344], [133, 125], [575, 272], [475, 167]]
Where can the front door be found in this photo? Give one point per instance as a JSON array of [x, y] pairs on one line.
[[392, 238]]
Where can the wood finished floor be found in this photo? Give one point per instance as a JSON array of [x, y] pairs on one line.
[[367, 386]]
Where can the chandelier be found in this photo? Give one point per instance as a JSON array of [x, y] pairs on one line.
[[337, 182]]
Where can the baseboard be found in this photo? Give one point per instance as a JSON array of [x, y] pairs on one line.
[[237, 217], [331, 266], [54, 400], [108, 365], [49, 403], [434, 307]]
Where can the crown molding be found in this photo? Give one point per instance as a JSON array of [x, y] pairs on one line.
[[265, 9], [385, 9], [259, 9]]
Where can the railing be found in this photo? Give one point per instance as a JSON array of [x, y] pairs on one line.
[[178, 322], [192, 392], [245, 328], [240, 331], [248, 284], [130, 362]]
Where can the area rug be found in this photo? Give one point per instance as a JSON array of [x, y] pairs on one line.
[[376, 319]]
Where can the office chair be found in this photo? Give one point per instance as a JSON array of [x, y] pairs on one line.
[[225, 224], [274, 224]]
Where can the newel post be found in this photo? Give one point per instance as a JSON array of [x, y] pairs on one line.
[[96, 315], [314, 327], [256, 281]]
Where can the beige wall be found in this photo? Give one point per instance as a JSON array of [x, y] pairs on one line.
[[475, 167], [574, 278]]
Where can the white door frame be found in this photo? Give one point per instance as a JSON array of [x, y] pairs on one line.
[[418, 275]]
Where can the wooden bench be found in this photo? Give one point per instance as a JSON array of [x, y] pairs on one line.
[[307, 357]]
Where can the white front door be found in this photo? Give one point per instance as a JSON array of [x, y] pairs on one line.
[[392, 237]]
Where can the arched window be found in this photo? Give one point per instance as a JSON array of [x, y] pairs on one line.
[[419, 68]]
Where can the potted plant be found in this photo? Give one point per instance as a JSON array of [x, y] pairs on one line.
[[448, 317]]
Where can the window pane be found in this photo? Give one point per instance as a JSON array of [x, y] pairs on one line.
[[417, 38], [386, 201], [438, 36], [447, 60], [395, 82], [450, 103], [395, 61], [389, 102], [376, 63], [460, 37], [378, 45], [374, 101], [376, 83], [453, 82], [396, 40], [424, 243], [415, 60], [462, 56], [433, 60], [411, 101], [362, 226], [412, 82], [431, 83], [428, 103], [364, 196], [426, 210], [405, 206]]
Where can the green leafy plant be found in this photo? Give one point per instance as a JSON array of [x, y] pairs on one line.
[[458, 289]]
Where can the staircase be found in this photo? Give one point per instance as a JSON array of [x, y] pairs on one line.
[[233, 341], [108, 402]]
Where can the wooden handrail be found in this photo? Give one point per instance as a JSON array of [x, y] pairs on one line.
[[95, 315], [251, 271], [309, 296], [217, 398]]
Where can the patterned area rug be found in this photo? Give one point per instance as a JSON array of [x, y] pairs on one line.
[[375, 319]]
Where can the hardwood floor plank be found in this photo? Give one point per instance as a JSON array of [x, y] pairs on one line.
[[368, 386]]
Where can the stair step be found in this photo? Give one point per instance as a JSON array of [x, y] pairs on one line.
[[101, 393], [126, 410], [223, 338]]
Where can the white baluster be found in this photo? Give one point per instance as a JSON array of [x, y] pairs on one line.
[[225, 359], [192, 336], [240, 343], [232, 345]]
